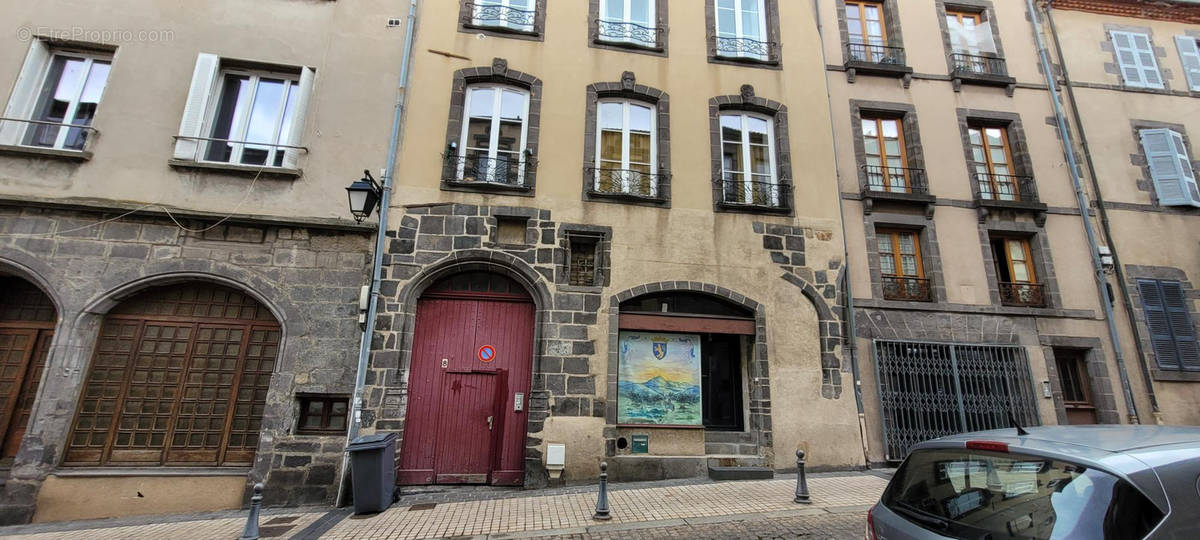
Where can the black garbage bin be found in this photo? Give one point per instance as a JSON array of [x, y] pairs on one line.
[[373, 471]]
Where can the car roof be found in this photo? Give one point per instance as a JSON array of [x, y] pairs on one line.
[[1105, 438]]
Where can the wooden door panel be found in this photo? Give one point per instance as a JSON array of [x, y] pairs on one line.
[[28, 393], [16, 349], [465, 435], [508, 328]]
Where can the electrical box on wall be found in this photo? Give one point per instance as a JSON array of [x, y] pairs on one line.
[[641, 444]]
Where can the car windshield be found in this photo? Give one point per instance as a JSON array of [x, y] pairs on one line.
[[984, 494]]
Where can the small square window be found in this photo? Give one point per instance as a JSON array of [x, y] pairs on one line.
[[323, 415], [581, 266], [510, 230]]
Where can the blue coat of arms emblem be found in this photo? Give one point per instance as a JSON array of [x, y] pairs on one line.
[[660, 349]]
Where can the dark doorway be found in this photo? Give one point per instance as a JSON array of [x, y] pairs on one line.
[[721, 382], [1075, 383]]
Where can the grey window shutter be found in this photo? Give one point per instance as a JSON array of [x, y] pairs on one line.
[[1135, 54], [1181, 324], [192, 124], [1172, 174], [25, 92], [1189, 54], [1161, 339]]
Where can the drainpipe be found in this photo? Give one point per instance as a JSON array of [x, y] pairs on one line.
[[364, 349], [1103, 213], [849, 328], [1081, 200]]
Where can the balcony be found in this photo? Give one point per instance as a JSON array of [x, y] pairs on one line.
[[482, 172], [906, 288], [980, 70], [744, 49], [879, 60], [902, 185], [500, 18], [1008, 192], [628, 34], [627, 184], [1023, 294], [753, 196]]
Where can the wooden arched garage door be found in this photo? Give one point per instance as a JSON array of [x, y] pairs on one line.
[[27, 318], [179, 377]]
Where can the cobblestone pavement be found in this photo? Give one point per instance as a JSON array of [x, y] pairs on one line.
[[691, 509]]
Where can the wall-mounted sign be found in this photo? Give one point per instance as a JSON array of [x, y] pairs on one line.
[[659, 379], [487, 353], [641, 444]]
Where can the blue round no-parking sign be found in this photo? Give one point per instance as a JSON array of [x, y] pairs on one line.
[[487, 353]]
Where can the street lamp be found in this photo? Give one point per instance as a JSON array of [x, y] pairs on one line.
[[364, 196]]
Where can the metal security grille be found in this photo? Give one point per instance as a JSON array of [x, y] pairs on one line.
[[929, 390]]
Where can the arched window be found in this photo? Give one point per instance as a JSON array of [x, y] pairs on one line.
[[492, 146]]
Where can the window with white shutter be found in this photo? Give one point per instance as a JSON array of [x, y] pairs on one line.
[[1170, 167], [1172, 336], [1189, 54], [55, 98], [1135, 54]]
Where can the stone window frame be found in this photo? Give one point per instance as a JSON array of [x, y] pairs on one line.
[[775, 56], [1018, 144], [497, 73], [931, 255], [746, 101], [603, 236], [1039, 249], [907, 113], [1138, 159], [983, 7], [1101, 386], [1160, 55], [628, 89], [662, 28], [466, 23], [1166, 273], [891, 22]]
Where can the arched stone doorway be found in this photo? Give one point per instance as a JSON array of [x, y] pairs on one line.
[[469, 382], [179, 377], [27, 321]]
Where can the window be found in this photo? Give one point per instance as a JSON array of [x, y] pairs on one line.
[[1170, 167], [628, 21], [867, 30], [1135, 54], [244, 117], [900, 266], [625, 148], [515, 15], [973, 47], [1015, 273], [582, 266], [1189, 54], [748, 159], [323, 415], [492, 147], [742, 29], [1169, 321], [886, 162], [55, 99], [991, 157]]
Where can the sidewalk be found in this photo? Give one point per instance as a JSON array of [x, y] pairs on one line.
[[508, 514]]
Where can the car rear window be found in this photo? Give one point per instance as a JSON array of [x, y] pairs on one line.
[[979, 494]]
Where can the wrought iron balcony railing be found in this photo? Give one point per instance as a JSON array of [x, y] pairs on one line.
[[766, 195], [971, 64], [494, 15], [1006, 187], [908, 288], [875, 54], [896, 180], [622, 32], [753, 49], [625, 182], [1023, 294], [498, 171], [46, 134]]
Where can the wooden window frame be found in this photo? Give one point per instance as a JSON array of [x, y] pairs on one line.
[[961, 14], [1028, 250], [987, 156], [1079, 363], [326, 415], [860, 4], [894, 235], [883, 155], [493, 149]]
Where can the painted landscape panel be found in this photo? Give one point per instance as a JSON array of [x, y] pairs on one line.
[[659, 379]]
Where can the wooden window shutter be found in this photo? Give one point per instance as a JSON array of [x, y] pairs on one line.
[[295, 136], [25, 91], [1181, 324], [201, 90], [1170, 167], [1189, 53], [1135, 54], [1158, 324]]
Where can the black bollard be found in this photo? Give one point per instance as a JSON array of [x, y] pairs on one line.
[[602, 510], [251, 530], [802, 496]]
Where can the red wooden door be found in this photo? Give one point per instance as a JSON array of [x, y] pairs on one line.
[[466, 432], [450, 329]]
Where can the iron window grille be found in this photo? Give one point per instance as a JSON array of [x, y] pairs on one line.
[[500, 14], [896, 179], [908, 288], [625, 182], [765, 195], [973, 64], [583, 260], [1006, 187], [875, 54], [1023, 294], [497, 171], [628, 33]]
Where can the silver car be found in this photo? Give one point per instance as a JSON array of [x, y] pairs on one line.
[[1086, 482]]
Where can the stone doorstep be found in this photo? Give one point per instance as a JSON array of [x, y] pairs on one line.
[[740, 472]]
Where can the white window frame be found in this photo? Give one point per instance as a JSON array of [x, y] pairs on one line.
[[1175, 185], [627, 11], [292, 84], [626, 106], [494, 135], [23, 101], [1189, 56], [747, 175], [738, 27], [1141, 68], [504, 5]]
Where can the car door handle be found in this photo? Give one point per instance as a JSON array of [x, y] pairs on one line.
[[490, 423]]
